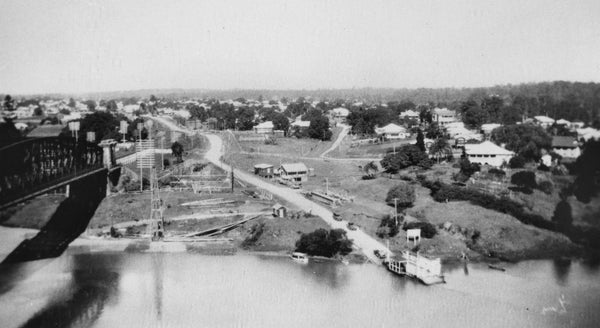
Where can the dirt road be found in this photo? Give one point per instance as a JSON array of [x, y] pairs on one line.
[[363, 241]]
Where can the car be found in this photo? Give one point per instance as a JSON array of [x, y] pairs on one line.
[[352, 226], [337, 216], [379, 254]]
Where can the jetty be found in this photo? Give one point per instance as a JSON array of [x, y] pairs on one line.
[[413, 265]]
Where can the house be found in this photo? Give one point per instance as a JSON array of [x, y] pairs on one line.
[[564, 122], [392, 131], [489, 127], [300, 125], [264, 170], [443, 116], [488, 153], [543, 121], [264, 127], [410, 114], [279, 211], [588, 133], [567, 147], [294, 171], [340, 114]]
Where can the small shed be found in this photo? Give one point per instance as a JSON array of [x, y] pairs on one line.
[[264, 170], [279, 211]]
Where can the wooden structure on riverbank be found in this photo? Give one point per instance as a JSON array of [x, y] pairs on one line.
[[427, 271]]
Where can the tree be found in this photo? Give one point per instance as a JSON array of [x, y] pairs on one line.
[[370, 169], [280, 122], [517, 162], [9, 103], [324, 243], [404, 193], [177, 150], [421, 140], [405, 156], [38, 111], [467, 169], [524, 139], [103, 124], [433, 131], [319, 128], [563, 216], [524, 179], [473, 115], [245, 118], [91, 105], [197, 112], [587, 169], [425, 115], [441, 149], [72, 103]]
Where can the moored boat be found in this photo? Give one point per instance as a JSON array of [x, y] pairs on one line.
[[300, 257], [427, 271]]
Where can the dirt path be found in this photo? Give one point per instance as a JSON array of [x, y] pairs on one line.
[[363, 241], [341, 136]]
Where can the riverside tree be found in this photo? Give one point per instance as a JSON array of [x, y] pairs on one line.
[[324, 243]]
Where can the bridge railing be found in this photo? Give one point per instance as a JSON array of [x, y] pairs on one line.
[[40, 163]]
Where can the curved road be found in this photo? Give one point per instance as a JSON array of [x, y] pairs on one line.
[[363, 241]]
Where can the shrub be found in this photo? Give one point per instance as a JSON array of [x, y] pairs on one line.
[[387, 226], [324, 243], [517, 162], [546, 187], [497, 172], [367, 177], [524, 179], [255, 232], [543, 168], [563, 216], [428, 230], [404, 192]]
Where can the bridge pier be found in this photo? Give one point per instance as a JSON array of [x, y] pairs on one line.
[[108, 159]]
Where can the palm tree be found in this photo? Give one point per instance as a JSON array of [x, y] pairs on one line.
[[371, 168], [440, 148]]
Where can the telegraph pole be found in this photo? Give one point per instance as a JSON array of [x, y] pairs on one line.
[[396, 211], [232, 179]]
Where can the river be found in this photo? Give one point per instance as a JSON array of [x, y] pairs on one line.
[[122, 289]]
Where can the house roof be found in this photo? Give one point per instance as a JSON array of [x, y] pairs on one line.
[[562, 121], [265, 125], [303, 124], [564, 142], [390, 128], [488, 127], [294, 167], [262, 166], [444, 112], [544, 119], [277, 206], [46, 131], [486, 148], [341, 111], [409, 112]]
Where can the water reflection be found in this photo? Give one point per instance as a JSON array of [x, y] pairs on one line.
[[93, 283], [561, 270], [158, 275], [330, 274]]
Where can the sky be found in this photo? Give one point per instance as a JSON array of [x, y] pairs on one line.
[[86, 46]]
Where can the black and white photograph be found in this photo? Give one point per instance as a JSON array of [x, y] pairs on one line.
[[299, 163]]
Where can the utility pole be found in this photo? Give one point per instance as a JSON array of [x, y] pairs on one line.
[[396, 211], [232, 179]]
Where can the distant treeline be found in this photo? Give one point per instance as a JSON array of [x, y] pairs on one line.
[[558, 90]]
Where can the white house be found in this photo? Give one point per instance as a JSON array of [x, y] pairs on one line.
[[489, 127], [392, 131], [410, 114], [567, 147], [443, 116], [543, 121], [488, 153], [301, 125], [264, 127], [294, 171], [588, 133], [340, 114], [564, 122]]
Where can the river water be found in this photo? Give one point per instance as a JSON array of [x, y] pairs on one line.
[[247, 290]]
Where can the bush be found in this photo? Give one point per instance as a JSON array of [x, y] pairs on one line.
[[387, 227], [255, 232], [543, 168], [324, 243], [497, 172], [546, 187], [404, 192], [368, 177], [563, 216], [428, 230], [517, 162], [524, 179]]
